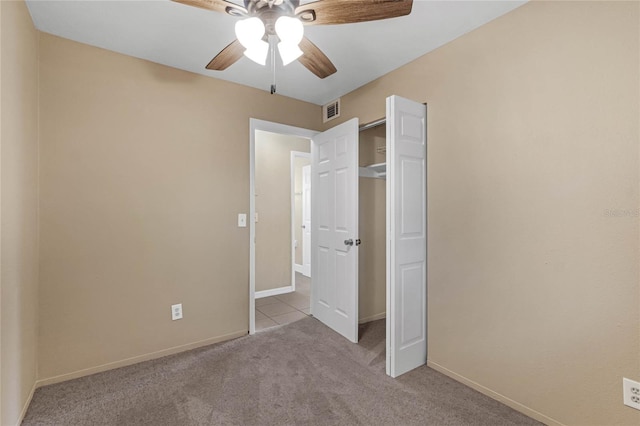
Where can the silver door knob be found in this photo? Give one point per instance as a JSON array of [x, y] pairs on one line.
[[348, 242]]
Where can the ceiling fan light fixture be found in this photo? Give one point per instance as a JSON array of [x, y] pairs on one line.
[[258, 52], [289, 17], [289, 52], [290, 30]]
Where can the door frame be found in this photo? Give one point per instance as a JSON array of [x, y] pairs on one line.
[[272, 127], [306, 207], [294, 266]]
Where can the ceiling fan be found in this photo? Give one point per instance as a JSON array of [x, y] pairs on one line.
[[283, 20]]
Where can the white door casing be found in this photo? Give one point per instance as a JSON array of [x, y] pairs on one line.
[[306, 221], [334, 223], [406, 236], [297, 223]]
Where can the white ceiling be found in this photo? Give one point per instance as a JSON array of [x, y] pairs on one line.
[[187, 38]]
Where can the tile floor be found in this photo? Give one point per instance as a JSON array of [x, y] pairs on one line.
[[285, 308]]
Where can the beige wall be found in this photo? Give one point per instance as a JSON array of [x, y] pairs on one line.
[[533, 139], [299, 163], [273, 205], [144, 169], [372, 230], [532, 143], [19, 201]]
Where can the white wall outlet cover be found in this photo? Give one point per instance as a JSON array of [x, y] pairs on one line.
[[242, 220], [176, 311], [631, 393]]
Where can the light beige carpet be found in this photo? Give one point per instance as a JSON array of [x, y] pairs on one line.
[[299, 374]]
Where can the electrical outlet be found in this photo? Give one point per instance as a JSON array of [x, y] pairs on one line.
[[631, 393], [176, 311]]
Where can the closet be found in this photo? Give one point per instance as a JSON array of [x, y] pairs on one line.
[[336, 199], [372, 227]]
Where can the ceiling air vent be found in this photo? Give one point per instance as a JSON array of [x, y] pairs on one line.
[[331, 110]]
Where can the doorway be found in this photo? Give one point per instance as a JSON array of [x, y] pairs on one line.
[[372, 272], [277, 291], [301, 212]]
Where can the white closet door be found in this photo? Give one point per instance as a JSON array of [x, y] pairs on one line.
[[406, 234], [334, 224]]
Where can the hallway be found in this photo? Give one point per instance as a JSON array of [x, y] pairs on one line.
[[285, 308]]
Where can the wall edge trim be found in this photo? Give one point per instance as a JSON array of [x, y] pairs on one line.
[[536, 415], [138, 359], [27, 403]]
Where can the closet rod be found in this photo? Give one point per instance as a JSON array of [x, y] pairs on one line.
[[373, 124]]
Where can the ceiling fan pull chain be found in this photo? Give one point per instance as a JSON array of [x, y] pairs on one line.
[[273, 64]]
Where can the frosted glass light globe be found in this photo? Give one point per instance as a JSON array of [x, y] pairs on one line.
[[290, 30], [258, 52], [289, 52], [249, 31]]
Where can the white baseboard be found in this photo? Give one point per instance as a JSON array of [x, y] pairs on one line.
[[298, 268], [273, 292], [495, 395], [381, 315], [137, 359]]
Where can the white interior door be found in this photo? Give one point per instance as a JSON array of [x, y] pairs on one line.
[[406, 233], [334, 222], [306, 221]]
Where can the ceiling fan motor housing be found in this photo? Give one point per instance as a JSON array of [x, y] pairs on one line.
[[269, 11]]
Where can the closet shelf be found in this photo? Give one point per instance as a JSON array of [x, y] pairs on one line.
[[377, 171]]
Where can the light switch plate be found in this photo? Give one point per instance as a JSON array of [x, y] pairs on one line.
[[242, 220]]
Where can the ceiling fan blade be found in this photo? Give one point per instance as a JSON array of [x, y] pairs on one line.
[[227, 57], [221, 6], [314, 60], [328, 12]]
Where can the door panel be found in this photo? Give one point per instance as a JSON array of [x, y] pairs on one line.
[[411, 294], [406, 234], [334, 202], [322, 277]]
